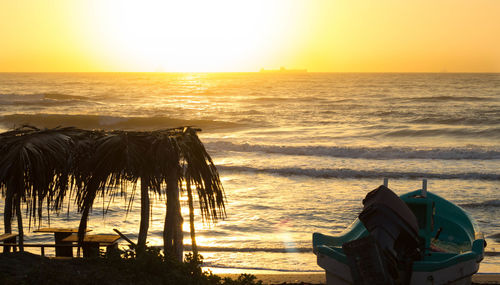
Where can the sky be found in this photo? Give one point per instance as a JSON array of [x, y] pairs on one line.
[[247, 35]]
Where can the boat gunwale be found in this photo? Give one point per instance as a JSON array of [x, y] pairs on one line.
[[331, 245]]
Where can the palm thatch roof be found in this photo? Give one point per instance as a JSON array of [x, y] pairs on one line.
[[34, 167], [39, 166], [123, 157]]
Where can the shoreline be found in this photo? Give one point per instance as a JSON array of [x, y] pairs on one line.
[[20, 267], [319, 278], [490, 275]]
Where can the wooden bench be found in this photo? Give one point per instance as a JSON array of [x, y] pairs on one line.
[[92, 243], [42, 247], [7, 240], [63, 248]]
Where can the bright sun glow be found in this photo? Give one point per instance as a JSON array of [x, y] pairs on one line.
[[246, 35], [189, 35]]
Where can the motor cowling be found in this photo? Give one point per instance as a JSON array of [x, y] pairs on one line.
[[386, 255]]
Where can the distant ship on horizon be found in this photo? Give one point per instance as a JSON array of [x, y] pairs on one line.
[[283, 70]]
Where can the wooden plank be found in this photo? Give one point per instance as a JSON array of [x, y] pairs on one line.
[[42, 244], [63, 251], [125, 238], [8, 236], [94, 238], [57, 230], [59, 235], [42, 247]]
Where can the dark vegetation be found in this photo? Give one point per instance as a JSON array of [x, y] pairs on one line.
[[150, 267]]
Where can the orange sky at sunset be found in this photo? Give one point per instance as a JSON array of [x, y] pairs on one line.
[[241, 35]]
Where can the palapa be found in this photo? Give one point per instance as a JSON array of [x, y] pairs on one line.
[[40, 165]]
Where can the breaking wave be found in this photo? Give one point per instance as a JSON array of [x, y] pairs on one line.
[[37, 97], [363, 152], [109, 122], [485, 204], [452, 98], [273, 250], [458, 120], [216, 265], [437, 132], [350, 173], [251, 249]]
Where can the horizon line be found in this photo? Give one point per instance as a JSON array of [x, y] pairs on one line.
[[258, 72]]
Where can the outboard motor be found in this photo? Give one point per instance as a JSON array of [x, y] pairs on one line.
[[386, 255]]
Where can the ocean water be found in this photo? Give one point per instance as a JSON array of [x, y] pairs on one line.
[[296, 152]]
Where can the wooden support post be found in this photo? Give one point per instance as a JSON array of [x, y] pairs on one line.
[[7, 214], [65, 251], [172, 232], [145, 207], [19, 224]]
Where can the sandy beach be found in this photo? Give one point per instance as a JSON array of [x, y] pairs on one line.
[[19, 266], [319, 278]]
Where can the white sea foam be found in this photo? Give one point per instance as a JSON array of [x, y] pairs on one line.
[[451, 153], [360, 174]]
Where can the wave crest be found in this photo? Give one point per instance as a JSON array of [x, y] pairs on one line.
[[350, 173], [109, 122], [485, 204], [363, 152]]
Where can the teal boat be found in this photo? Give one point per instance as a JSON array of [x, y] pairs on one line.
[[386, 245]]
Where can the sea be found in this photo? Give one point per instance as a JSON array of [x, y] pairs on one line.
[[296, 152]]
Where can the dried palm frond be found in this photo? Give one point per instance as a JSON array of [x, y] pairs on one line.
[[33, 166], [201, 172]]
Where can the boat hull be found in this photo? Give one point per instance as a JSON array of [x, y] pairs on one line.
[[338, 273], [452, 246]]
